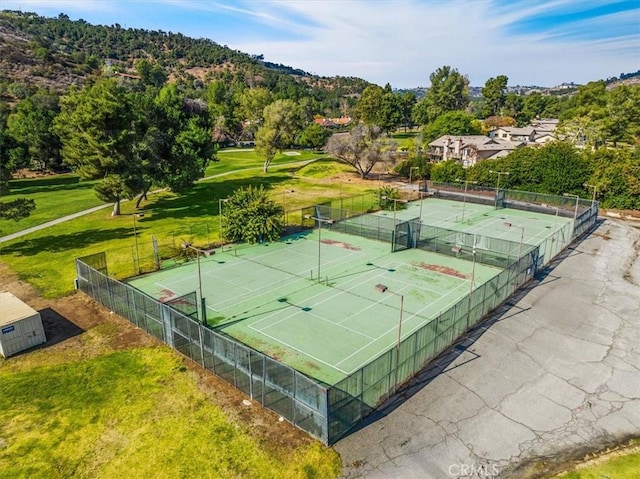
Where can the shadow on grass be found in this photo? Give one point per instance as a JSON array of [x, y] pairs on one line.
[[203, 199], [57, 328], [46, 185], [63, 242]]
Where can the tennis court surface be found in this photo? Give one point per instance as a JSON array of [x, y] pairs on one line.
[[271, 298]]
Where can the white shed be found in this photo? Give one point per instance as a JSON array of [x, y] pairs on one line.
[[20, 326]]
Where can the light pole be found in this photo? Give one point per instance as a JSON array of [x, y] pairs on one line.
[[320, 221], [509, 225], [384, 289], [473, 274], [395, 202], [203, 312], [222, 239], [595, 189], [575, 212], [464, 198], [411, 171], [135, 236], [499, 173], [284, 205]]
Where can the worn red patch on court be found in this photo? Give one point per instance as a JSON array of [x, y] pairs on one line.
[[341, 244], [441, 269], [165, 295]]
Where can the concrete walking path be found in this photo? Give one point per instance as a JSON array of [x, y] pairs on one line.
[[42, 226]]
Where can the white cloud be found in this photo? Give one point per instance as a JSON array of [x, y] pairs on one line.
[[396, 41], [402, 42]]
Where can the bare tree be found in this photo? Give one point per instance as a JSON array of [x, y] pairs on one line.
[[362, 148]]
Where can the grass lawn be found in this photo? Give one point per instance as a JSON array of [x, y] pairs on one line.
[[231, 159], [95, 412], [624, 464], [45, 258], [405, 139], [55, 196]]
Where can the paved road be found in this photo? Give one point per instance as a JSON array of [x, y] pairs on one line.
[[556, 373], [27, 231]]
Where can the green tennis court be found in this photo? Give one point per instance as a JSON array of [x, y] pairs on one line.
[[550, 232], [271, 297]]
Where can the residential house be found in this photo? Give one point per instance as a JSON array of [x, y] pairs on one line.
[[470, 149], [512, 133], [334, 122]]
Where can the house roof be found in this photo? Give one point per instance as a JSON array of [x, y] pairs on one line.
[[512, 130], [333, 122], [466, 140]]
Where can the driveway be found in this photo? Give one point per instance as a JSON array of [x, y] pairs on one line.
[[551, 375]]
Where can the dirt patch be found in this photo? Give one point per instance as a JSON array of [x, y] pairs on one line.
[[441, 269], [74, 322], [341, 244]]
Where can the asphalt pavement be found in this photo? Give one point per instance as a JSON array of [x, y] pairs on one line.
[[551, 375]]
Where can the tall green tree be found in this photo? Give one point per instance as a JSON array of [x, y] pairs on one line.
[[494, 94], [97, 126], [452, 123], [30, 124], [362, 148], [406, 102], [278, 131], [616, 175], [449, 91], [314, 136]]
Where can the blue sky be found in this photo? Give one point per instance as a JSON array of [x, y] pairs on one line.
[[401, 42]]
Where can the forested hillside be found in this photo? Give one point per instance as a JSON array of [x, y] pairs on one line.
[[58, 52], [137, 108]]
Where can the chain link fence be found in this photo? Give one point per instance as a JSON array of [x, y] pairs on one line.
[[330, 412], [299, 399]]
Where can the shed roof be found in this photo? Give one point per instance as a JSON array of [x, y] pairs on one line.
[[13, 309]]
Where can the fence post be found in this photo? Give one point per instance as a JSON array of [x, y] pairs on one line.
[[165, 312]]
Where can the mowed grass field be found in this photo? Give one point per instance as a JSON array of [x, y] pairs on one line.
[[92, 410], [46, 258], [55, 196], [96, 410]]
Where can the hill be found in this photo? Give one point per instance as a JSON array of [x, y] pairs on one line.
[[57, 52]]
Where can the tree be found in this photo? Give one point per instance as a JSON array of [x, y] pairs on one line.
[[379, 106], [314, 136], [30, 124], [406, 102], [362, 148], [616, 174], [494, 94], [447, 171], [452, 123], [492, 122], [251, 216], [97, 127], [449, 91], [387, 195], [278, 131], [151, 73]]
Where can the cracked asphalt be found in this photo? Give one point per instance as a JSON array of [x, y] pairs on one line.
[[553, 374]]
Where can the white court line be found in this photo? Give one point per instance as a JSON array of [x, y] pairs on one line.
[[405, 334], [305, 353], [296, 277], [367, 345], [330, 297], [338, 324]]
